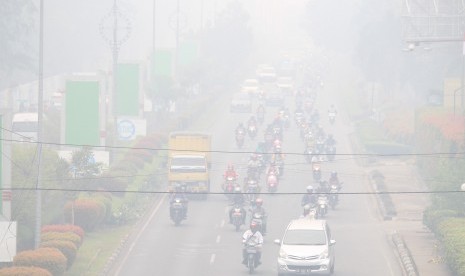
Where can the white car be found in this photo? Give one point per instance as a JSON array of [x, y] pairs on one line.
[[306, 248]]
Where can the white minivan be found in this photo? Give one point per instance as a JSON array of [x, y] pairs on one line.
[[306, 248]]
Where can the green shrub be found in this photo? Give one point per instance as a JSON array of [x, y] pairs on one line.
[[64, 228], [87, 213], [433, 217], [115, 181], [50, 259], [452, 234], [24, 271], [68, 249], [61, 236]]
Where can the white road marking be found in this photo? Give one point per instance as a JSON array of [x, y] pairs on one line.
[[212, 258], [140, 233], [222, 223], [218, 238]]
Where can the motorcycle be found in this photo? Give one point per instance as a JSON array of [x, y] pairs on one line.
[[240, 138], [252, 189], [333, 194], [272, 182], [322, 208], [252, 255], [308, 153], [331, 152], [316, 172], [177, 211], [252, 131], [229, 186], [260, 117], [312, 213], [260, 220], [237, 217], [332, 117]]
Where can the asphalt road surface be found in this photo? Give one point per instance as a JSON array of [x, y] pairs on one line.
[[206, 244]]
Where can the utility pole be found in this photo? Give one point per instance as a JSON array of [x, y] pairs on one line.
[[177, 39], [112, 21], [40, 110]]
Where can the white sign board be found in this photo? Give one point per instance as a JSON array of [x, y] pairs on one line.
[[129, 129], [8, 241]]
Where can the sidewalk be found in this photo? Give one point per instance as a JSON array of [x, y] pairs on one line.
[[406, 224]]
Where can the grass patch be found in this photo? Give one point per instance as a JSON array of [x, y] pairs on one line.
[[96, 250]]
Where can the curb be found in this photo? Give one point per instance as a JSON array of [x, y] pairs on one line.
[[385, 204], [405, 256]]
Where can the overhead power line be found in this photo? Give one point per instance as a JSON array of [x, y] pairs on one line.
[[244, 193], [241, 152]]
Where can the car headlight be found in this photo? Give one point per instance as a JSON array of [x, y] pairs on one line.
[[282, 254], [325, 254]]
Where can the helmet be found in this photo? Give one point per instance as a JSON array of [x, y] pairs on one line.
[[309, 189], [259, 202], [306, 208], [230, 167], [333, 174], [237, 189], [253, 156]]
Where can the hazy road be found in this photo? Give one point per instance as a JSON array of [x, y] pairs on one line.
[[205, 244]]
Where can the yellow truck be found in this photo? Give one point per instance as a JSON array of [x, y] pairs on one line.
[[189, 162]]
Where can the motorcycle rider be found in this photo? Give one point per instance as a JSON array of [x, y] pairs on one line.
[[323, 188], [179, 193], [330, 141], [309, 198], [252, 234], [333, 179], [257, 207], [252, 121], [238, 199], [240, 128], [307, 212], [332, 109], [253, 166], [230, 172]]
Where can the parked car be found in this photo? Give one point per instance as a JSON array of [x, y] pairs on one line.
[[306, 248], [241, 102]]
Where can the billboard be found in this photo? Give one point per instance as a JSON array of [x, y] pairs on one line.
[[82, 113], [127, 89], [162, 63], [188, 52]]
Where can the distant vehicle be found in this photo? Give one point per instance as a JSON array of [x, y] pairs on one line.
[[251, 86], [241, 102], [266, 74], [25, 126], [189, 161], [274, 97], [286, 84], [306, 248]]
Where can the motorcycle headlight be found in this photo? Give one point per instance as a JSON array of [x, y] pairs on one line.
[[282, 254], [325, 254]]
